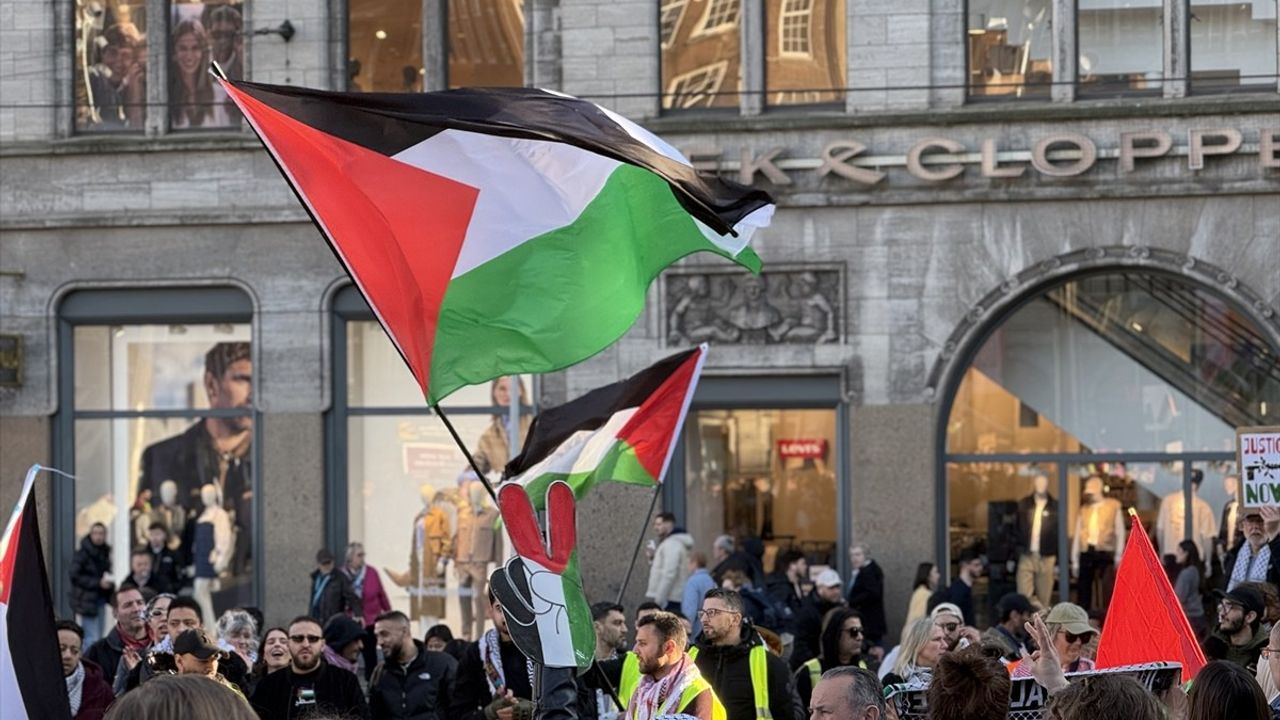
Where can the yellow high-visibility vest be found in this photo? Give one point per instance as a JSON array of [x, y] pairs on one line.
[[631, 680], [757, 661]]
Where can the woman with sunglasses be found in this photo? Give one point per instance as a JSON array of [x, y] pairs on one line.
[[840, 644], [1068, 625]]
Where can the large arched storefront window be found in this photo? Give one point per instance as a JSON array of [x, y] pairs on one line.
[[1120, 388]]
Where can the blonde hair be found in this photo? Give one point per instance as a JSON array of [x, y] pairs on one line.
[[917, 637]]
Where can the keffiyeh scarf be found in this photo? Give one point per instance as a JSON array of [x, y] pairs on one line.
[[491, 658], [75, 688], [658, 698], [1250, 566]]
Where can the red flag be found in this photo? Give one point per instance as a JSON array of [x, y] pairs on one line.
[[1145, 622]]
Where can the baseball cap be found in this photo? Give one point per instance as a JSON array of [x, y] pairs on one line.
[[324, 556], [196, 642], [1245, 597], [946, 609], [828, 578], [1073, 618]]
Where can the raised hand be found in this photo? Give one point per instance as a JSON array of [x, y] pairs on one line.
[[540, 590]]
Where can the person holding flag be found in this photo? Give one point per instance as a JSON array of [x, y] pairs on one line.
[[660, 679]]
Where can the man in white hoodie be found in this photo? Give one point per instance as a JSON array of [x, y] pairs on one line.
[[670, 560]]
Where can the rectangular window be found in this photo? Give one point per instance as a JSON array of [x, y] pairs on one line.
[[701, 54], [110, 66], [805, 52], [1121, 46], [1010, 45], [200, 32], [1233, 46], [163, 434], [385, 45], [486, 43]]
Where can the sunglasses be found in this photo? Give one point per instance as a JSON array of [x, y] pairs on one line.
[[950, 627], [854, 632], [1073, 638], [309, 639]]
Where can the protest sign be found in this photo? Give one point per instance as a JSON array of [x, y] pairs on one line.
[[1027, 699], [1258, 457]]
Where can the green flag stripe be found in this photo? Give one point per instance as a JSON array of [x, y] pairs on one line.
[[581, 631], [567, 294], [620, 464]]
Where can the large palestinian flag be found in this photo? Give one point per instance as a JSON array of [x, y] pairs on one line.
[[624, 432], [31, 684], [496, 231]]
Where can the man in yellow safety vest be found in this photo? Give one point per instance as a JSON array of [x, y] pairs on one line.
[[753, 683], [658, 678]]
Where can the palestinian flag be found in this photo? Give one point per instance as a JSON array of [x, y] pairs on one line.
[[624, 432], [496, 231], [31, 684]]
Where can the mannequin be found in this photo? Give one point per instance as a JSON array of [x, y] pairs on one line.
[[1098, 543], [1037, 543], [168, 513], [1229, 533], [212, 550], [477, 544], [431, 544], [1171, 523]]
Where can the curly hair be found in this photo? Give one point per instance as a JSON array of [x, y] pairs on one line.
[[969, 685]]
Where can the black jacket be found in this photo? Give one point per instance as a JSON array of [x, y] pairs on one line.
[[106, 653], [166, 570], [808, 635], [327, 691], [728, 669], [1048, 525], [785, 601], [471, 687], [421, 691], [866, 595], [87, 566], [338, 596]]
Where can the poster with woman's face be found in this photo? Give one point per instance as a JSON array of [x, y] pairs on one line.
[[202, 33]]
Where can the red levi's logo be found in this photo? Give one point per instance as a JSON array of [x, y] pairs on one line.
[[808, 449]]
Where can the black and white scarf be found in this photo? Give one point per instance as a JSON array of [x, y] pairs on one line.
[[75, 688]]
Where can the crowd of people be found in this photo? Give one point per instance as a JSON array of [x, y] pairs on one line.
[[715, 639]]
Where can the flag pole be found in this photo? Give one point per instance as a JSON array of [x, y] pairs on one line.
[[635, 554], [465, 452]]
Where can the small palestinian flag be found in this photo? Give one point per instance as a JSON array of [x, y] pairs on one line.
[[624, 432], [496, 231], [31, 684]]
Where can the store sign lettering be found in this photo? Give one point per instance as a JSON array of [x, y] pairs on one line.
[[807, 449], [938, 159]]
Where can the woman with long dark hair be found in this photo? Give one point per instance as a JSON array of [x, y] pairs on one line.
[[927, 579], [191, 102], [1187, 586], [1224, 691]]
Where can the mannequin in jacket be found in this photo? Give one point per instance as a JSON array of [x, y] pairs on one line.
[[211, 548], [1037, 543], [476, 545]]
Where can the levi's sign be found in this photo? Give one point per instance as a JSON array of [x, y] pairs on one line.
[[809, 449], [1258, 457], [937, 159]]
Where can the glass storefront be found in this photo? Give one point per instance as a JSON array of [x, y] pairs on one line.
[[1119, 390]]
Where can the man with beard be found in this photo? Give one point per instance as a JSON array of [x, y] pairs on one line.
[[309, 687], [413, 682], [131, 632], [747, 678], [1258, 558], [664, 680], [610, 622], [1240, 630]]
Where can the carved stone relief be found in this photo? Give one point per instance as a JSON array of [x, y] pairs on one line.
[[784, 306]]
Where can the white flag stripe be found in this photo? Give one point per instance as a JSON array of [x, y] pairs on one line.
[[527, 187], [582, 452]]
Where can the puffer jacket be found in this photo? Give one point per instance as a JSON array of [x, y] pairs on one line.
[[670, 568], [421, 691], [87, 566], [728, 669]]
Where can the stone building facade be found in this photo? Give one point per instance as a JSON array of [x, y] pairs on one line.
[[913, 221]]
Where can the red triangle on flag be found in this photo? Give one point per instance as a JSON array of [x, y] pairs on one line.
[[398, 229], [1145, 622], [651, 431]]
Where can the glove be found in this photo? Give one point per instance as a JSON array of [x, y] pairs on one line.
[[491, 710], [540, 589], [524, 709]]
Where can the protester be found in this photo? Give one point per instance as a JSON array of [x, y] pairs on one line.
[[756, 605], [331, 590], [725, 652], [827, 594], [664, 680], [238, 633], [493, 675], [165, 563], [274, 656], [131, 631], [969, 684], [648, 607], [195, 653], [1240, 629], [189, 697], [412, 682], [88, 692], [1068, 626], [1258, 559], [309, 686], [921, 647], [140, 574], [1013, 610], [373, 599], [343, 643], [1105, 696], [696, 587], [610, 623], [847, 693], [439, 638], [183, 614], [955, 634], [841, 644], [925, 584], [788, 586], [670, 560], [91, 583], [1271, 654], [1225, 691], [866, 592], [1187, 586], [158, 616], [960, 592]]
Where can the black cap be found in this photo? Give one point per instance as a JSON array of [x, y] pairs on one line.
[[1246, 597], [324, 556], [341, 631], [196, 642]]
